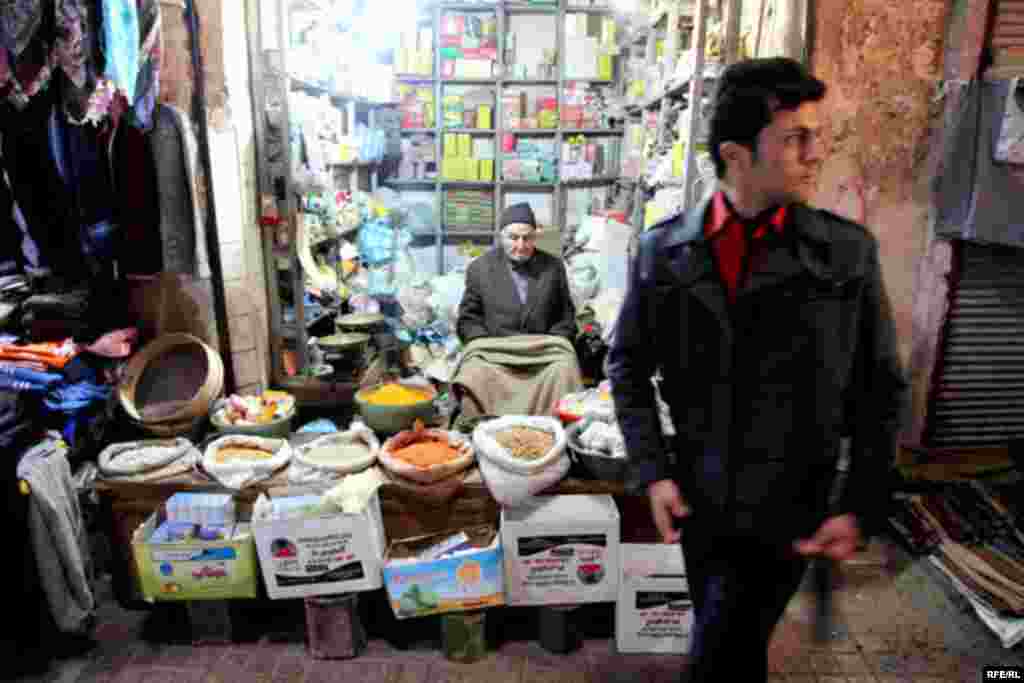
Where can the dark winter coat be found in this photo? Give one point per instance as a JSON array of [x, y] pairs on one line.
[[491, 307], [761, 390]]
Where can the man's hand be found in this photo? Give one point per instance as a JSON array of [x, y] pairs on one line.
[[666, 503], [837, 538]]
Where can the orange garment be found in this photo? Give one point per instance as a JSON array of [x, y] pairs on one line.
[[52, 354]]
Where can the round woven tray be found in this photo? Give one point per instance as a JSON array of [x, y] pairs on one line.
[[187, 399]]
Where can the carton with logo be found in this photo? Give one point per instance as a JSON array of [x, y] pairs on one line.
[[193, 568], [305, 553], [563, 550], [654, 613], [445, 572]]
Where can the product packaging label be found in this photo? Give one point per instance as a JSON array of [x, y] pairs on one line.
[[310, 560], [662, 614], [563, 561]]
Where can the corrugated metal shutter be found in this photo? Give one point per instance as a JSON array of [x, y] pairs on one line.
[[977, 395]]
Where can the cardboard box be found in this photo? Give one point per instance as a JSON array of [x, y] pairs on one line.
[[465, 582], [451, 145], [562, 551], [195, 570], [654, 613], [483, 117], [335, 553]]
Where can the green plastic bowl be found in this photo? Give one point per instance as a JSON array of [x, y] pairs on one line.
[[393, 419]]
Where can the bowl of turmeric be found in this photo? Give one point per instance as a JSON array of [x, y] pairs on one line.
[[391, 407]]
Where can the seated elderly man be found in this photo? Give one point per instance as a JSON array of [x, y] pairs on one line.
[[518, 321]]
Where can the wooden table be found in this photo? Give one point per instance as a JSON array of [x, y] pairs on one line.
[[126, 505]]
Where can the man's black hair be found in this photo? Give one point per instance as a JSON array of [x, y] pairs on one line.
[[749, 93]]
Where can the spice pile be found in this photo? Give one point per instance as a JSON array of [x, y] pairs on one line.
[[396, 395], [525, 443], [427, 452]]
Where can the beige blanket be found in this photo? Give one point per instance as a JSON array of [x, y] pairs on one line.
[[522, 375]]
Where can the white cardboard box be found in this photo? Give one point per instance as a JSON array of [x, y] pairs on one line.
[[322, 555], [561, 551], [654, 613]]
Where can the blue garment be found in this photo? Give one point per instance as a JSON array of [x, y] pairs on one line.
[[72, 398], [121, 44], [18, 378]]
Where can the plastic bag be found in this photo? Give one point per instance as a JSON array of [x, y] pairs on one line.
[[135, 457], [489, 448], [239, 474], [305, 469], [584, 279], [511, 489], [446, 295], [415, 301]]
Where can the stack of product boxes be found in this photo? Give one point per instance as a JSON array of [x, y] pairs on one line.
[[469, 210], [415, 53], [470, 109], [467, 159], [594, 157], [528, 159], [416, 105], [589, 47], [585, 106], [469, 45], [519, 114], [419, 158]]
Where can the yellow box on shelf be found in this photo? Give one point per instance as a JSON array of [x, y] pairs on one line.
[[483, 117], [604, 67], [465, 145], [424, 62], [451, 145], [487, 169]]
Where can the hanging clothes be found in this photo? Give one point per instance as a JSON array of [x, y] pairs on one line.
[[137, 202], [77, 47], [20, 21], [147, 83], [120, 30], [37, 186]]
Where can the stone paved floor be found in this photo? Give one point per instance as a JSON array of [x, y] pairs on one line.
[[895, 623]]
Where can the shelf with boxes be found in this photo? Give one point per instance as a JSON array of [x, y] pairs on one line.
[[508, 108]]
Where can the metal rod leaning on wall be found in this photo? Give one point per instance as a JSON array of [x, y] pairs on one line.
[[212, 234]]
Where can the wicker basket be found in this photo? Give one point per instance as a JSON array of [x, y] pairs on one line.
[[188, 408]]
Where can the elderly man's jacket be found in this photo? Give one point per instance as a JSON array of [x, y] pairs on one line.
[[491, 307], [761, 390]]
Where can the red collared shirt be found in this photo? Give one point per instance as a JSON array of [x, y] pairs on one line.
[[726, 231]]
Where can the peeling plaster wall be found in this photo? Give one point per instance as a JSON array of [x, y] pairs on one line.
[[882, 62], [232, 149]]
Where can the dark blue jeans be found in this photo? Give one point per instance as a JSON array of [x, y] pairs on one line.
[[740, 587]]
